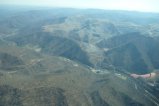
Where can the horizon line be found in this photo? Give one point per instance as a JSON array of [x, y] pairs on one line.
[[82, 8]]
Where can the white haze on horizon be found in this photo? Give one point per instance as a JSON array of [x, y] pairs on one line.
[[133, 5]]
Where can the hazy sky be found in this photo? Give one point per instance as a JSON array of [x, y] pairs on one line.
[[139, 5]]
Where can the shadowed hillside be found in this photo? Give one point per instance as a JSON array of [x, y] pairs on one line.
[[133, 52]]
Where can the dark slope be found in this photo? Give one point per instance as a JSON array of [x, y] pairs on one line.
[[128, 58], [53, 45], [7, 61], [133, 52]]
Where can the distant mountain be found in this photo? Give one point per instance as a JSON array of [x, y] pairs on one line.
[[84, 28], [83, 33], [73, 57]]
